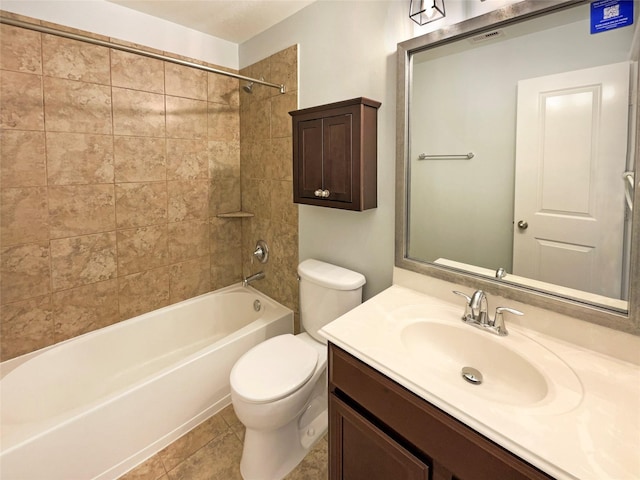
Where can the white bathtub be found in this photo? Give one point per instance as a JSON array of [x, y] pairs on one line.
[[97, 405]]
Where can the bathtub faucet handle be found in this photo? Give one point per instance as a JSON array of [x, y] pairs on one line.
[[261, 252]]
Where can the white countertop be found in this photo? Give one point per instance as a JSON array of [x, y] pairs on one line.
[[596, 437]]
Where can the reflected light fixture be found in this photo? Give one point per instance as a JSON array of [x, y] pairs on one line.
[[425, 11]]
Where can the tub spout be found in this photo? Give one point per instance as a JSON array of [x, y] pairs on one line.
[[252, 278]]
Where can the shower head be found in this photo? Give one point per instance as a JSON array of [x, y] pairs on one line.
[[248, 87]]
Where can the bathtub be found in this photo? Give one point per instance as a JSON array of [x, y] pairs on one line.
[[95, 406]]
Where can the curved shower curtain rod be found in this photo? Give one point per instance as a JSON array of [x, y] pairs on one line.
[[115, 46]]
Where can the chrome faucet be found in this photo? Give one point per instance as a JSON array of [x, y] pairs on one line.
[[475, 313], [252, 278]]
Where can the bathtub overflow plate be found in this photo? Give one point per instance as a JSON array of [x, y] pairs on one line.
[[257, 305]]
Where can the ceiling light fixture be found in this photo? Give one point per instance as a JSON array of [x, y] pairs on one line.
[[426, 11]]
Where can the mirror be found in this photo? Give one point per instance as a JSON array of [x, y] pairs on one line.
[[514, 138]]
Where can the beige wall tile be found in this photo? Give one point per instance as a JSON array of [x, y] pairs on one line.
[[186, 159], [137, 72], [224, 159], [75, 60], [22, 106], [78, 107], [253, 154], [140, 159], [188, 240], [280, 119], [224, 123], [255, 121], [282, 207], [280, 159], [260, 70], [138, 113], [142, 249], [24, 272], [283, 69], [22, 159], [225, 247], [79, 158], [256, 196], [141, 204], [81, 209], [20, 50], [224, 195], [78, 261], [181, 81], [24, 215], [25, 326], [222, 89], [189, 279], [188, 200], [83, 309], [186, 118], [143, 292]]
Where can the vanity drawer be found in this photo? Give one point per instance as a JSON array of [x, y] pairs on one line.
[[456, 450]]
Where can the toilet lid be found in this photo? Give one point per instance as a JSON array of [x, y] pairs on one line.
[[273, 369]]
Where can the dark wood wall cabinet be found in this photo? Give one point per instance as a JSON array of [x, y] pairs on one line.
[[378, 430], [335, 154]]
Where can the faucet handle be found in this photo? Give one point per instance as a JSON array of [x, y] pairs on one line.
[[498, 321], [468, 313], [467, 297]]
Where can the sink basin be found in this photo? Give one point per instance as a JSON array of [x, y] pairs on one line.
[[515, 370]]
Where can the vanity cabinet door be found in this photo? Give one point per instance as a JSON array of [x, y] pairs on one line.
[[360, 451]]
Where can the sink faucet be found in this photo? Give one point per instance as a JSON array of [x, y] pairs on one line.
[[252, 278], [478, 305], [475, 313]]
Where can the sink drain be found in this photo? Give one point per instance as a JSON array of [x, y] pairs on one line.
[[471, 375]]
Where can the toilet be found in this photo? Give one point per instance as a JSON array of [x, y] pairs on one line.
[[279, 387]]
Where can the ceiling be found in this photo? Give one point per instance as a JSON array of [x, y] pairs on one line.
[[233, 20]]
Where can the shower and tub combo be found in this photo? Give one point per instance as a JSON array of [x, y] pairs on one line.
[[95, 406]]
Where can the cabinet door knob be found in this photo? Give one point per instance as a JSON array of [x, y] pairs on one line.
[[325, 193], [318, 193]]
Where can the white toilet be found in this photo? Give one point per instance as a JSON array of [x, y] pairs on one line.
[[279, 387]]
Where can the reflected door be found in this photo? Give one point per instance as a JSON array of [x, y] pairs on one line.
[[571, 149]]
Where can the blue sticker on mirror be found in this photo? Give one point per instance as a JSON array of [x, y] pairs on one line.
[[610, 14]]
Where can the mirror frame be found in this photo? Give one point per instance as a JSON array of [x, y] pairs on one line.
[[627, 322]]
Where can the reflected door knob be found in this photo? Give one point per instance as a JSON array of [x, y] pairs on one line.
[[522, 225]]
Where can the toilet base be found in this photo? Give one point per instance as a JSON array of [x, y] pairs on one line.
[[270, 455]]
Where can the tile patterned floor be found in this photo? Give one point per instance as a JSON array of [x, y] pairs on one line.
[[212, 451]]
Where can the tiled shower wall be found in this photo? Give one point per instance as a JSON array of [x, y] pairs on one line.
[[267, 186], [114, 167]]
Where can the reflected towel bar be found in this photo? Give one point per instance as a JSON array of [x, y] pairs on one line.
[[466, 156], [628, 189]]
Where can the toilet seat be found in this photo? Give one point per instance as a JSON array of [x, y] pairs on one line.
[[273, 369]]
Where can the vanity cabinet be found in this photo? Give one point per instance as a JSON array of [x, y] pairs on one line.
[[380, 430], [335, 154]]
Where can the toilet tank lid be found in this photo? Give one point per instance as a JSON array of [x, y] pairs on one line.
[[330, 276]]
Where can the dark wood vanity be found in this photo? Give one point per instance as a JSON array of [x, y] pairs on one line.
[[335, 154], [378, 430]]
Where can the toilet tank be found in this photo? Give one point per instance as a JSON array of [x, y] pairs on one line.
[[326, 292]]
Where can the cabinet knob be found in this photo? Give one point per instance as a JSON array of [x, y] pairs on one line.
[[325, 193], [318, 193]]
